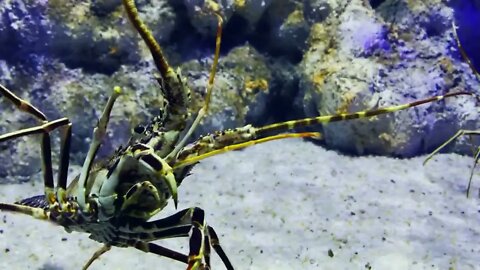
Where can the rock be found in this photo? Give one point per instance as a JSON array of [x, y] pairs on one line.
[[97, 36], [366, 59], [24, 30], [94, 36], [249, 11], [240, 93], [288, 29]]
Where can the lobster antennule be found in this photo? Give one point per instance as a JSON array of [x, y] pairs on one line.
[[228, 148]]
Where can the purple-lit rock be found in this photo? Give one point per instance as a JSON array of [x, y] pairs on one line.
[[366, 59]]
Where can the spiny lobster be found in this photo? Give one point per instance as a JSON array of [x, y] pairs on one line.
[[114, 200]]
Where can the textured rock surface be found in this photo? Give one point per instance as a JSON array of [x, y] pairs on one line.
[[364, 59], [247, 12], [241, 89], [94, 36]]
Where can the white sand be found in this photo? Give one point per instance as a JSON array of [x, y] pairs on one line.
[[283, 205]]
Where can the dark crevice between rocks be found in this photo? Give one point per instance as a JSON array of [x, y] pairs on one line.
[[186, 42], [261, 39], [236, 32], [376, 3]]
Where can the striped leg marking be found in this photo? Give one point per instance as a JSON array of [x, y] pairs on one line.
[[186, 223], [45, 128], [215, 243], [159, 250], [35, 212]]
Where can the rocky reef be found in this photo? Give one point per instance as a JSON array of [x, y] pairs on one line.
[[280, 60]]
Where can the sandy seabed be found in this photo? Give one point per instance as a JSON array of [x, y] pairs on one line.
[[291, 205]]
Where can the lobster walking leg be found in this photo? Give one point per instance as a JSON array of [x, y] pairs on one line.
[[215, 243], [63, 167], [186, 223], [23, 105], [143, 246], [96, 255], [460, 133], [159, 250], [35, 212], [45, 128]]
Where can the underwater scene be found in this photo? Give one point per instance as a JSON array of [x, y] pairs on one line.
[[239, 134]]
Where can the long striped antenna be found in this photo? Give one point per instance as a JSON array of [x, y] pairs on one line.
[[289, 125], [228, 140]]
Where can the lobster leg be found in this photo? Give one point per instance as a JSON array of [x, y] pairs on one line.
[[45, 128], [215, 243], [22, 104], [143, 246], [36, 212], [97, 255], [63, 167], [475, 162], [159, 250], [186, 223], [461, 132], [462, 51], [207, 244]]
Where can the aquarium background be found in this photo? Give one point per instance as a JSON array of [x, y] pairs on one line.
[[350, 201]]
